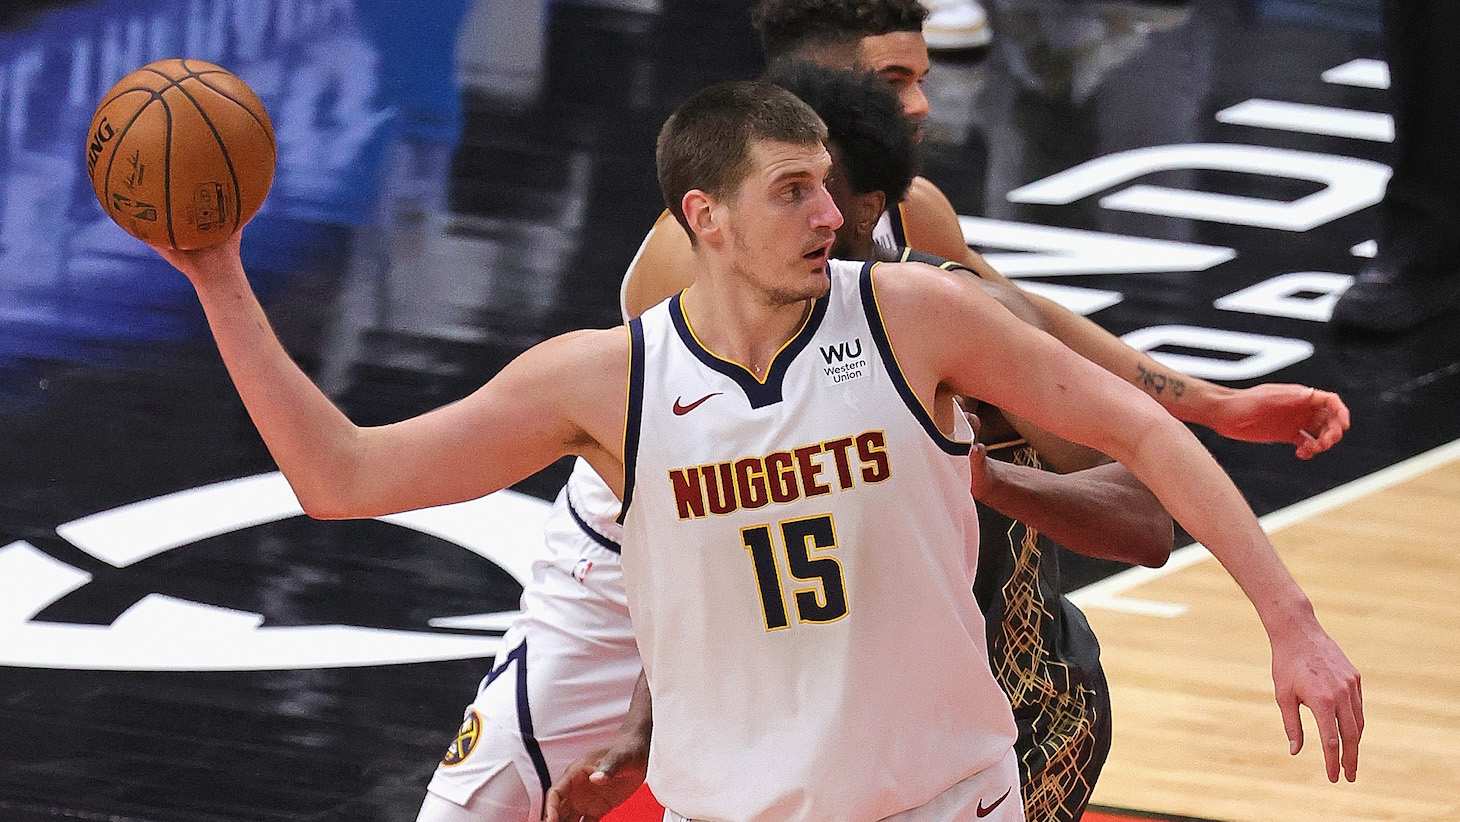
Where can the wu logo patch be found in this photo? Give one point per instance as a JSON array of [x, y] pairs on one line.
[[842, 351], [844, 361], [466, 739]]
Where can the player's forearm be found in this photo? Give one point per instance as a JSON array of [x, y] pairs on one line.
[[1101, 512], [1165, 456], [1187, 398], [638, 725], [306, 434]]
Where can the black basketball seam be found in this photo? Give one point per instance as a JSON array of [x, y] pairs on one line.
[[167, 172], [173, 82], [128, 90], [232, 174], [107, 177], [267, 127]]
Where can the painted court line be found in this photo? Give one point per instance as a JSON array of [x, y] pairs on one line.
[[1107, 592]]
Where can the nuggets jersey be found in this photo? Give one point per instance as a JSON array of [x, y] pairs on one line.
[[799, 556]]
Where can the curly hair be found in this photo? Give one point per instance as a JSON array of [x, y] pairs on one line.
[[787, 26], [863, 118]]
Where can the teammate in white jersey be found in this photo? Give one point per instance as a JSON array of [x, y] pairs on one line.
[[743, 167]]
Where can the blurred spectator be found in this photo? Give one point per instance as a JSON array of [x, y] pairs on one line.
[[1416, 273]]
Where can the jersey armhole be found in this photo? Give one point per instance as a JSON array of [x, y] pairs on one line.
[[894, 370], [633, 414]]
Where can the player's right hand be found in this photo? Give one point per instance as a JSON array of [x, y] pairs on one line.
[[202, 264], [597, 783], [1308, 668]]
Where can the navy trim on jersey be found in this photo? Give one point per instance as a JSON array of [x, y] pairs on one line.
[[634, 417], [908, 255], [588, 529], [760, 394], [894, 219], [524, 717], [894, 371]]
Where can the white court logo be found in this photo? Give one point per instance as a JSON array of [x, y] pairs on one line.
[[162, 633]]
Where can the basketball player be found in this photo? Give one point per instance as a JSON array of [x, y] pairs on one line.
[[885, 37], [572, 652], [563, 679], [865, 692], [1042, 650]]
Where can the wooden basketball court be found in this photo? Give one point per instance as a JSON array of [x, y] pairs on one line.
[[1197, 732]]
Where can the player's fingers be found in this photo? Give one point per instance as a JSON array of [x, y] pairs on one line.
[[1325, 715], [1358, 700], [1308, 445], [1332, 405], [1292, 723], [550, 811], [608, 766], [1350, 729]]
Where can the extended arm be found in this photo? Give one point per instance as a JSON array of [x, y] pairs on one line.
[[924, 309], [1132, 525], [516, 424], [1305, 417], [603, 779]]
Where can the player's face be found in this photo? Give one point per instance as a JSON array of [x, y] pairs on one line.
[[854, 238], [784, 221], [900, 58]]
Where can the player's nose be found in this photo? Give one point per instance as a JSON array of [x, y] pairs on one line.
[[826, 215], [915, 103]]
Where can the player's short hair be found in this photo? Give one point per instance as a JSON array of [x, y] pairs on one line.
[[797, 26], [864, 119], [705, 144]]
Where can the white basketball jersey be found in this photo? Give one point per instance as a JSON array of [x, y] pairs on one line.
[[799, 555]]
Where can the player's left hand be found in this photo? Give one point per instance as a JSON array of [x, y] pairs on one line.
[[1309, 668], [597, 783], [1308, 418]]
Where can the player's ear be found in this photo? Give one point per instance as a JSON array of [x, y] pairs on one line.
[[869, 209], [702, 214]]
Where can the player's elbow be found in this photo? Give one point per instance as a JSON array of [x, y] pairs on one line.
[[323, 504], [1157, 538], [327, 498]]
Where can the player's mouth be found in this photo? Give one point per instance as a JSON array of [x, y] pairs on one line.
[[820, 253]]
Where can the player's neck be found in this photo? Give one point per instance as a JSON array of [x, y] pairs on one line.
[[739, 323]]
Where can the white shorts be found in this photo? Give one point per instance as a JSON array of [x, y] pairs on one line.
[[991, 795], [562, 681]]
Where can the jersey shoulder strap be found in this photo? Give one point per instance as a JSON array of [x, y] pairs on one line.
[[908, 255]]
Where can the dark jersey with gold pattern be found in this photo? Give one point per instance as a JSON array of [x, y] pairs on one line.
[[1042, 650]]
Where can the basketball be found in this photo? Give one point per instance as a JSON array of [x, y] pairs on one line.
[[181, 153]]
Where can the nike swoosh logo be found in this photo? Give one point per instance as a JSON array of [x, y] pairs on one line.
[[981, 811], [681, 410]]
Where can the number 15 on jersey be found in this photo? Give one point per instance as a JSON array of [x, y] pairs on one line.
[[826, 599]]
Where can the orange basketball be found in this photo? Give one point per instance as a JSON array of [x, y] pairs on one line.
[[181, 153]]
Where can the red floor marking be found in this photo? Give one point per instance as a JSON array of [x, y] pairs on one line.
[[641, 807]]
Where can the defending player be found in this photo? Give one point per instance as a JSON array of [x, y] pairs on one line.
[[743, 167], [885, 38]]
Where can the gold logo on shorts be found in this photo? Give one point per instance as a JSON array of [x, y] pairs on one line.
[[466, 739]]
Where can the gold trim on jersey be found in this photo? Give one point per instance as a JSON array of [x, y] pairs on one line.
[[770, 366]]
